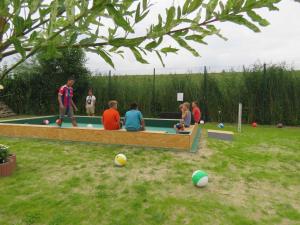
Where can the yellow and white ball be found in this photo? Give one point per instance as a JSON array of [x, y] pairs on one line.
[[120, 160]]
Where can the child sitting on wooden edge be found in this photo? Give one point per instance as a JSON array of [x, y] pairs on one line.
[[186, 117]]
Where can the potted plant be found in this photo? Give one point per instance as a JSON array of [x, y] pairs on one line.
[[7, 161]]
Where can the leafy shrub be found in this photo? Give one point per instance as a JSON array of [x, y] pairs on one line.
[[33, 87], [3, 153]]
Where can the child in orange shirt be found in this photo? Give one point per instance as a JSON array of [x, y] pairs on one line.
[[111, 117]]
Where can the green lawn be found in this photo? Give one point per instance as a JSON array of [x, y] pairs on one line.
[[253, 180]]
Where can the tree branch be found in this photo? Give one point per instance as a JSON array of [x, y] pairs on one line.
[[7, 43], [37, 48], [99, 44]]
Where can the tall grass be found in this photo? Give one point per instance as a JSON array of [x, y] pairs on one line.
[[268, 96]]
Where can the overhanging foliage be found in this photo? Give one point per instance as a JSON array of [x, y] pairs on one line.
[[107, 27]]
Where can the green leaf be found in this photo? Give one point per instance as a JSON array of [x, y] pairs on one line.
[[53, 15], [137, 12], [185, 6], [33, 36], [138, 16], [214, 30], [159, 21], [4, 11], [170, 18], [238, 19], [138, 55], [118, 18], [210, 8], [105, 56], [112, 32], [6, 27], [151, 45], [257, 18], [61, 22], [34, 5], [169, 50], [17, 6], [145, 4], [160, 40], [44, 13], [195, 4], [133, 42], [197, 18], [19, 24], [18, 47], [142, 50], [158, 28], [178, 12], [196, 38], [238, 4], [271, 7], [73, 38], [70, 9], [185, 45], [185, 20], [229, 6], [87, 41], [113, 49], [143, 16], [126, 4], [160, 58], [28, 23], [254, 4], [250, 4], [180, 33], [222, 7]]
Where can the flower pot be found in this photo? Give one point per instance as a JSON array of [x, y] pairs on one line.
[[7, 168], [13, 159]]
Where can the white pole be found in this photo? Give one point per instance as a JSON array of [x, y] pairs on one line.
[[240, 118]]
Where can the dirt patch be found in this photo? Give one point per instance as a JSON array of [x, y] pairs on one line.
[[203, 151]]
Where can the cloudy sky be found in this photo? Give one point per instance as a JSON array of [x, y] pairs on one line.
[[276, 43]]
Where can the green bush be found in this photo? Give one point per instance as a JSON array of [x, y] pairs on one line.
[[3, 153], [33, 88]]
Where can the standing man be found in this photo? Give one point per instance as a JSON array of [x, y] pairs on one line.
[[90, 103], [196, 112], [66, 104]]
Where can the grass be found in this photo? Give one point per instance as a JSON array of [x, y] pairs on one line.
[[253, 180]]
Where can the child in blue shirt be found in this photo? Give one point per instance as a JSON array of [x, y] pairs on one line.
[[134, 119]]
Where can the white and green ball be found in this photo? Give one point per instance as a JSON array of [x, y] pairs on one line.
[[120, 160], [200, 178]]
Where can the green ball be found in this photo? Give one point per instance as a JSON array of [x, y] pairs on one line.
[[200, 178]]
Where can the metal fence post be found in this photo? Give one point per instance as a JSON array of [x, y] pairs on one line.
[[109, 86], [153, 104], [205, 111]]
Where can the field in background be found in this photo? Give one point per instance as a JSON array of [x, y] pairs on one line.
[[269, 95], [253, 180]]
